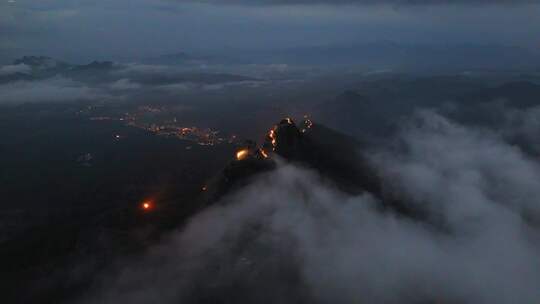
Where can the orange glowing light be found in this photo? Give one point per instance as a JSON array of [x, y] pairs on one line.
[[264, 154], [272, 135], [242, 154], [147, 205]]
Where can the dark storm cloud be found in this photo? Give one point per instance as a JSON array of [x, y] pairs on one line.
[[292, 238]]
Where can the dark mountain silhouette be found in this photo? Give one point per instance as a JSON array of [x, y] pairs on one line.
[[518, 94], [334, 155], [41, 62], [100, 72]]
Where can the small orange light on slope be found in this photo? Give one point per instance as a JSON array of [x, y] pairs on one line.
[[147, 205], [272, 136], [242, 154]]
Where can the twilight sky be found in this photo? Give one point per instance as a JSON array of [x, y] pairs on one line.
[[124, 29]]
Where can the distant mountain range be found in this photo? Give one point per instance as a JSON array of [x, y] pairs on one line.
[[376, 108], [41, 62], [42, 67], [372, 55]]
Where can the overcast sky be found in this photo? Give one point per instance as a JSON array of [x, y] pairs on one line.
[[83, 29]]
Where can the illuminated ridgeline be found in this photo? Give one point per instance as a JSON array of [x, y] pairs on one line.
[[286, 129], [307, 124], [250, 151]]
